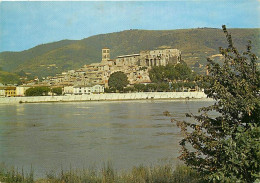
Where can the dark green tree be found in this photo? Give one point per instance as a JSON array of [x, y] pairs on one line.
[[180, 71], [158, 74], [37, 91], [223, 141], [151, 87], [139, 87], [163, 87], [183, 72], [129, 89], [118, 80], [21, 73], [57, 90]]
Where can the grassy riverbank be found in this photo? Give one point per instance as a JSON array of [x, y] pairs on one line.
[[141, 174]]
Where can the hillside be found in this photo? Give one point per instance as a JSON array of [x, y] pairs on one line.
[[195, 44], [9, 78]]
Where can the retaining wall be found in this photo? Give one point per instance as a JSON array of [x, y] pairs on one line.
[[105, 96]]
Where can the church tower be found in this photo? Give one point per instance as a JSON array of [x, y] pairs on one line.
[[105, 54]]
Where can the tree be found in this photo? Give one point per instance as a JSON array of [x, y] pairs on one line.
[[180, 71], [225, 146], [139, 87], [37, 91], [157, 74], [163, 87], [57, 90], [118, 80], [21, 73], [183, 71]]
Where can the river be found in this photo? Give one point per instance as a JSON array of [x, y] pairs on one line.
[[55, 136]]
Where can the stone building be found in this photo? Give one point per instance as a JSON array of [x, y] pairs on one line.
[[150, 58], [105, 54]]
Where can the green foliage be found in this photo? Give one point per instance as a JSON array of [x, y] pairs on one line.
[[9, 78], [118, 80], [179, 71], [141, 174], [21, 73], [195, 45], [13, 175], [139, 87], [129, 89], [225, 144], [109, 90], [57, 90], [37, 91]]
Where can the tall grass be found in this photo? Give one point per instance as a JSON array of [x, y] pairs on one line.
[[107, 174], [13, 175]]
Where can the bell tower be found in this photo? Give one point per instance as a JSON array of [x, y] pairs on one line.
[[105, 54]]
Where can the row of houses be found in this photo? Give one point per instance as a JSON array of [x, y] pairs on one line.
[[19, 91], [82, 90], [13, 91]]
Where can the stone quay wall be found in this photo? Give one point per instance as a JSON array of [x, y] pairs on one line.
[[105, 97]]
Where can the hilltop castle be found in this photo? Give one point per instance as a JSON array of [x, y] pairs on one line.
[[135, 66], [145, 58]]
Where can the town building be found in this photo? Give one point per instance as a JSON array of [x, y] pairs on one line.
[[10, 91], [151, 58], [81, 90], [20, 90], [135, 66], [68, 90]]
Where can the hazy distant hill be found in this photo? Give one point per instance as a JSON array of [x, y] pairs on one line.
[[195, 44]]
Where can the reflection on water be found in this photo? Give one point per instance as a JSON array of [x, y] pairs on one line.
[[53, 135]]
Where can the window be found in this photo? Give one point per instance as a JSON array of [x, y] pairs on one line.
[[104, 51]]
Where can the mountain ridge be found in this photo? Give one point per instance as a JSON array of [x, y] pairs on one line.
[[196, 45]]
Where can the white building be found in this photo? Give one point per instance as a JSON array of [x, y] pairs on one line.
[[80, 90], [68, 90], [20, 90], [97, 89], [2, 92]]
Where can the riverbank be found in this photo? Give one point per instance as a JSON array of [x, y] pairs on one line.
[[105, 97], [157, 173]]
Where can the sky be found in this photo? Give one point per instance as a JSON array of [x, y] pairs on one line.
[[25, 24]]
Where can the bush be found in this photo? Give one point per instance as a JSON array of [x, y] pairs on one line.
[[225, 146], [57, 91], [37, 91]]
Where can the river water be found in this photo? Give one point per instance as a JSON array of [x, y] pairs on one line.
[[55, 136]]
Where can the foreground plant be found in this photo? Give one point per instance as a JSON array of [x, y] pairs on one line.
[[141, 174], [223, 142]]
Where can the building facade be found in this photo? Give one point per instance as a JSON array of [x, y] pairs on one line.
[[10, 91], [151, 58], [86, 90], [20, 90]]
